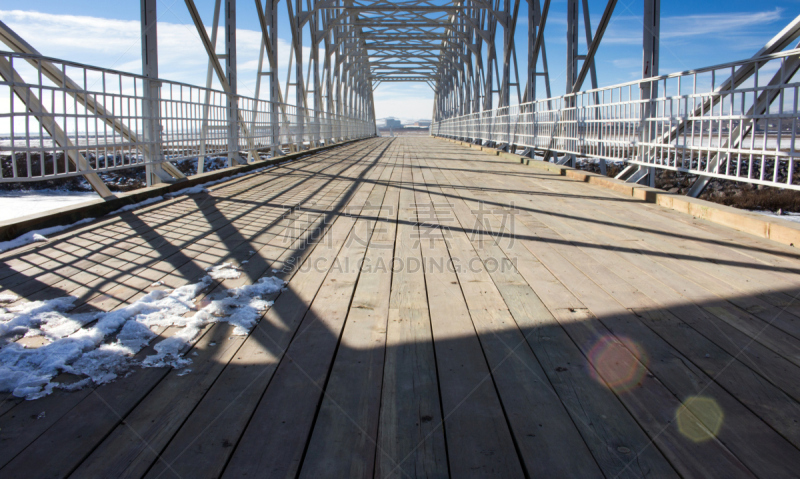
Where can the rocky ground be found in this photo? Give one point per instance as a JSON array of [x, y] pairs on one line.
[[731, 193], [125, 179]]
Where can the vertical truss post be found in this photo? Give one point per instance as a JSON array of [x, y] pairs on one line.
[[650, 38], [477, 50], [336, 81], [151, 104], [268, 18], [648, 90], [259, 75], [509, 28], [271, 12], [230, 75], [572, 44], [491, 65], [329, 71], [533, 25], [488, 95], [315, 42], [299, 87]]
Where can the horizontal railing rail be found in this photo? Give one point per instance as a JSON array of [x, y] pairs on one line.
[[61, 119], [737, 121]]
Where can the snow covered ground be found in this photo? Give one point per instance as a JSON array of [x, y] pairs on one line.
[[795, 217], [41, 235], [15, 204], [99, 347]]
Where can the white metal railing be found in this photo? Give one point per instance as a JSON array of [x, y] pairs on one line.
[[53, 112], [737, 121]]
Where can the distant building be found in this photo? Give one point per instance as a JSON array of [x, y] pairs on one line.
[[423, 123], [392, 123]]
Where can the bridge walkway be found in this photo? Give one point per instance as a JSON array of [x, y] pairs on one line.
[[447, 313]]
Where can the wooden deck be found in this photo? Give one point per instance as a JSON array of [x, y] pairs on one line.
[[448, 313]]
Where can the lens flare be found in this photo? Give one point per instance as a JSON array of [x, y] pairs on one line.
[[699, 418], [619, 362]]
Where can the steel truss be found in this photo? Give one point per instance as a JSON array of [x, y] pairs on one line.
[[741, 128], [106, 120]]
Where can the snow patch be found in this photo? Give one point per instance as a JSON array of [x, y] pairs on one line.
[[37, 235], [16, 203], [103, 351], [148, 201], [41, 235], [188, 191], [8, 297], [224, 271], [19, 320]]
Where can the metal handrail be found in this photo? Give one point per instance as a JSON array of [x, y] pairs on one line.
[[112, 136], [744, 130]]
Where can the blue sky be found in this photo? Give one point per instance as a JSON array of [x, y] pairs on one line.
[[106, 34]]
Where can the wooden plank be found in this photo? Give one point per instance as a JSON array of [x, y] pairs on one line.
[[770, 454], [202, 448], [345, 432], [611, 315], [774, 318], [649, 401], [479, 442], [133, 447], [411, 440], [712, 254], [575, 279], [274, 441], [610, 432], [168, 223], [52, 403], [635, 221], [101, 420], [698, 335], [548, 442]]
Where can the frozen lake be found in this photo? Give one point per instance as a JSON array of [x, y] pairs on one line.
[[15, 204]]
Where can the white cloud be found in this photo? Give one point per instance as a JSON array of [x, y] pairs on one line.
[[404, 100], [709, 24], [627, 30], [412, 107], [115, 44]]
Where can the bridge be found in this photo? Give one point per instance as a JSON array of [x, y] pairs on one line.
[[332, 303]]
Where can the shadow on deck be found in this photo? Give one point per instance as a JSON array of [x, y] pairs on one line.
[[438, 321]]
